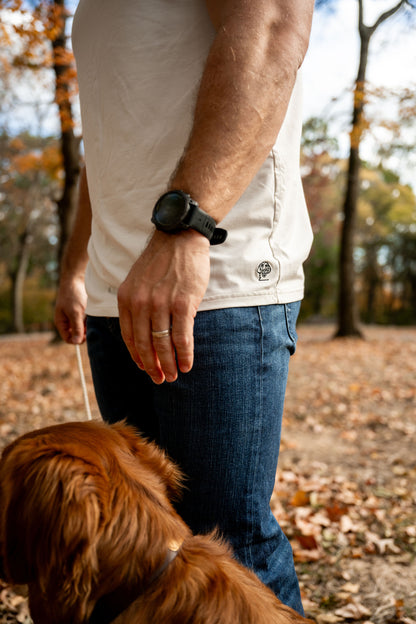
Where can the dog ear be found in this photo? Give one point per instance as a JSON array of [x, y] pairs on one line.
[[154, 458], [50, 520]]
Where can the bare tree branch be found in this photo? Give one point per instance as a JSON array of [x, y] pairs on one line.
[[384, 16]]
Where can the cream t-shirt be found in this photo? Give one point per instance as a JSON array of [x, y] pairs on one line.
[[139, 65]]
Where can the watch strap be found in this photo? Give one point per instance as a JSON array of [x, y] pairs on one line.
[[202, 222], [219, 236]]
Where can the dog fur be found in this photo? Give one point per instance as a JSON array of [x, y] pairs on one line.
[[85, 510]]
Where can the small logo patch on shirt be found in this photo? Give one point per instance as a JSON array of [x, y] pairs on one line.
[[263, 271]]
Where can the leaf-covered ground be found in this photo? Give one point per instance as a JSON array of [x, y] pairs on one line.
[[345, 491]]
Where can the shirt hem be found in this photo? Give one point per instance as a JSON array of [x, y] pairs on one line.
[[215, 303]]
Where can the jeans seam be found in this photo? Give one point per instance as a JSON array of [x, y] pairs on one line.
[[258, 417]]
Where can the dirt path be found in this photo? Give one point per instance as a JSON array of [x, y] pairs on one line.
[[345, 492], [349, 443]]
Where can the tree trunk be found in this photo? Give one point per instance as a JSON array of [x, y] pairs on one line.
[[69, 142], [347, 304], [18, 279], [347, 301], [68, 201]]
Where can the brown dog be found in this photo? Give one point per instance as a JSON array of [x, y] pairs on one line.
[[86, 521]]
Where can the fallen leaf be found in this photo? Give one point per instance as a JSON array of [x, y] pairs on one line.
[[335, 512], [308, 542], [352, 588], [328, 618], [300, 499], [353, 611]]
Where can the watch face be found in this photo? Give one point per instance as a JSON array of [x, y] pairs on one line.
[[171, 209]]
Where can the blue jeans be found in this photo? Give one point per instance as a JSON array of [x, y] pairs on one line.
[[221, 423]]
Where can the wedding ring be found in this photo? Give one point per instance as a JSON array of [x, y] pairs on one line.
[[162, 333]]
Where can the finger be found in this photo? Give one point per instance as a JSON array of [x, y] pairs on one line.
[[77, 328], [135, 330], [126, 328], [163, 346], [71, 327], [143, 345], [183, 340], [62, 325]]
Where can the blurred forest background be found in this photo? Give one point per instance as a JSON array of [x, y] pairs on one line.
[[345, 491], [362, 268]]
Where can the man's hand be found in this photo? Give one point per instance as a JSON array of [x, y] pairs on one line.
[[163, 291], [70, 308]]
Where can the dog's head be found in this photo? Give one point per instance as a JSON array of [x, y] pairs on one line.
[[81, 505]]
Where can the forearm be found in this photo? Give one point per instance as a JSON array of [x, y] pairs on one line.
[[75, 256], [243, 98], [71, 297]]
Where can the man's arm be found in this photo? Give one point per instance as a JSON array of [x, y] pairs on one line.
[[243, 97], [72, 298]]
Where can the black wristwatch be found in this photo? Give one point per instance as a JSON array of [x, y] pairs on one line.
[[175, 211]]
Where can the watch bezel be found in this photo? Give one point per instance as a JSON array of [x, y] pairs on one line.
[[192, 217], [178, 223]]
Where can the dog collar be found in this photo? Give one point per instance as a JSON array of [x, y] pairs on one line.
[[109, 606]]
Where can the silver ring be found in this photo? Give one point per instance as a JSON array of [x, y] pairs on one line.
[[162, 333]]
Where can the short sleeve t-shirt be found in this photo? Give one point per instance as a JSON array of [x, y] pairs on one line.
[[139, 65]]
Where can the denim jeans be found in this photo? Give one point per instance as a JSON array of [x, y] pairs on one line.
[[220, 422]]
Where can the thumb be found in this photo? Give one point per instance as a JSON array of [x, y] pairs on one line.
[[77, 329], [71, 326]]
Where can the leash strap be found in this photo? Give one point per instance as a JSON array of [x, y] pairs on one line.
[[83, 384]]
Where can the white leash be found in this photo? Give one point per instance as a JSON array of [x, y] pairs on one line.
[[83, 384]]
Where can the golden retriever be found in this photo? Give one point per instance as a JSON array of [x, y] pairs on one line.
[[86, 521]]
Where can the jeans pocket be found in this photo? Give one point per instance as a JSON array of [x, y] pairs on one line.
[[291, 315]]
